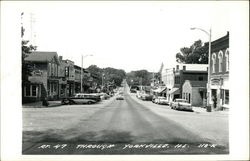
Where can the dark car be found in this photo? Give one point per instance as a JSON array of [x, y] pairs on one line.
[[147, 97], [82, 98], [119, 97], [133, 91]]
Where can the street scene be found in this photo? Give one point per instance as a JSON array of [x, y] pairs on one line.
[[143, 85], [123, 124]]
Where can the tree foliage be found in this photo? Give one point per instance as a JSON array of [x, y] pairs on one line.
[[195, 54], [107, 75], [26, 50], [139, 77]]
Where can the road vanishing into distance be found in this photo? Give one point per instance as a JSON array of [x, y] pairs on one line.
[[129, 126]]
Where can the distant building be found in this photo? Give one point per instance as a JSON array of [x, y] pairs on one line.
[[86, 79], [218, 87]]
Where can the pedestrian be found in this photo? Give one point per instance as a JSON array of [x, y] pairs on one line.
[[214, 101]]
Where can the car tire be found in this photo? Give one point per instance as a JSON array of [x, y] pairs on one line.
[[89, 102]]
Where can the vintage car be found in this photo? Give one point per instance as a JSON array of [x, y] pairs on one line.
[[82, 98], [181, 104], [162, 101], [119, 97], [146, 97], [104, 96]]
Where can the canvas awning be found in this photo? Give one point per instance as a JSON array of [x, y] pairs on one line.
[[160, 90], [174, 91]]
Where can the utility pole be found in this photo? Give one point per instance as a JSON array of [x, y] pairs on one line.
[[81, 71]]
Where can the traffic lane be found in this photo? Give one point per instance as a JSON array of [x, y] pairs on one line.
[[158, 129], [129, 121]]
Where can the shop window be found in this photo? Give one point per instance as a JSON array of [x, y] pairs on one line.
[[27, 90], [220, 61], [227, 97], [31, 91]]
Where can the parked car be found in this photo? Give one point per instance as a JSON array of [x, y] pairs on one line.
[[133, 91], [104, 96], [146, 97], [119, 97], [82, 98], [181, 104], [162, 101], [139, 95], [154, 99]]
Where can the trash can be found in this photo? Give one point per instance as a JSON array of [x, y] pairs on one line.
[[209, 108]]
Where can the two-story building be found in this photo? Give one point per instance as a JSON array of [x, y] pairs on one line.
[[67, 75], [44, 79], [177, 76], [218, 87]]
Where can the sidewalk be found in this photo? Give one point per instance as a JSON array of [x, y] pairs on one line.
[[40, 105], [204, 110], [199, 109]]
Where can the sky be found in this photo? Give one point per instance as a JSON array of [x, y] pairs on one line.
[[123, 35]]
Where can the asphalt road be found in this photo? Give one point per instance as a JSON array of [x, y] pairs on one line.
[[119, 127]]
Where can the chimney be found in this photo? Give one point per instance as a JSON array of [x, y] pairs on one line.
[[60, 58], [184, 67]]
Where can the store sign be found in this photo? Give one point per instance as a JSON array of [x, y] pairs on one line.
[[38, 73], [216, 81]]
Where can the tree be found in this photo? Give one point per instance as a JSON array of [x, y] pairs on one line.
[[107, 75], [26, 50], [195, 54], [139, 77]]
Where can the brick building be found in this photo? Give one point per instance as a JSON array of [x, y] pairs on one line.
[[218, 87]]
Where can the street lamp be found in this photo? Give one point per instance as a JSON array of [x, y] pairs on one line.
[[209, 34], [82, 68]]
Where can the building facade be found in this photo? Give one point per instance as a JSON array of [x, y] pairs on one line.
[[195, 92], [177, 76], [218, 87], [44, 79]]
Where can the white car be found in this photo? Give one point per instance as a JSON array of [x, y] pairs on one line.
[[162, 101], [181, 104]]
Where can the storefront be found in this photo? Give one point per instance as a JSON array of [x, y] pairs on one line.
[[173, 93], [53, 89], [219, 93]]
